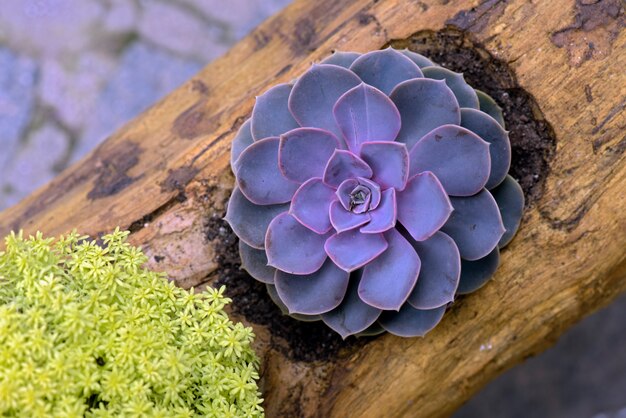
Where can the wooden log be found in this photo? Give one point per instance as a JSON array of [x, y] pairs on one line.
[[166, 177]]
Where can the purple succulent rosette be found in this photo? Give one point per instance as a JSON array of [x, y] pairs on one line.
[[373, 190]]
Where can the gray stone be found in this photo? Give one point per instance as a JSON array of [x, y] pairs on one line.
[[72, 87], [121, 17], [241, 16], [35, 164], [145, 74], [50, 27], [92, 88], [180, 30], [17, 81]]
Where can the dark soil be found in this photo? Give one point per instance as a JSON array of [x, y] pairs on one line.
[[533, 145], [532, 139]]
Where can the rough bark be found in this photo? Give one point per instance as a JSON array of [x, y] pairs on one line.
[[166, 177]]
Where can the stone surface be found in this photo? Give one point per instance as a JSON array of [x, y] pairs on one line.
[[72, 87], [17, 88], [239, 16], [144, 75], [121, 16], [180, 30], [36, 163], [50, 27], [88, 66]]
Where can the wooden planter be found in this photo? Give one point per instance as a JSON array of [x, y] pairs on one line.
[[558, 69]]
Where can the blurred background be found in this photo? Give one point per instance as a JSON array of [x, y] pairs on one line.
[[73, 71]]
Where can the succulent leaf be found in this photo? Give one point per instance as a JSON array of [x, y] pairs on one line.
[[389, 162], [315, 93], [385, 69], [352, 315], [311, 203], [255, 263], [292, 247], [424, 105], [363, 114], [389, 279], [440, 272], [418, 59], [304, 152], [351, 250], [343, 220], [242, 140], [384, 216], [259, 177], [341, 58], [510, 199], [270, 116], [313, 294], [344, 192], [458, 157], [465, 95], [411, 322], [373, 189], [490, 107], [474, 274], [423, 206], [488, 129], [373, 330], [475, 225], [250, 221], [344, 165], [273, 294]]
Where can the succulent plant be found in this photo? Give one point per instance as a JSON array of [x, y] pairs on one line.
[[86, 331], [371, 191]]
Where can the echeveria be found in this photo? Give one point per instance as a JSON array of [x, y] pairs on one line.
[[371, 191]]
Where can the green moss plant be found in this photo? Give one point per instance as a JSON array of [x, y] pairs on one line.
[[86, 330]]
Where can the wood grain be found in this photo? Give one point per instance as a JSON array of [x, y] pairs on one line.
[[165, 173]]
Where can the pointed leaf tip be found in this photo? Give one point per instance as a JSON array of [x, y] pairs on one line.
[[458, 157], [315, 293], [351, 250], [385, 69], [259, 177], [270, 115], [344, 165], [475, 225], [424, 104], [363, 114], [304, 152], [292, 247], [389, 279], [311, 203], [314, 95], [411, 322], [440, 272], [423, 206]]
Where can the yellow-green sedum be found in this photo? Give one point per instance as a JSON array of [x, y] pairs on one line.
[[85, 330]]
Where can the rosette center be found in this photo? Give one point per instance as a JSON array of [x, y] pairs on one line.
[[360, 199], [359, 195]]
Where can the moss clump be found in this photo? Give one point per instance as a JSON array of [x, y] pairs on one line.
[[85, 330]]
